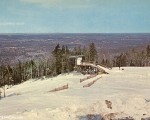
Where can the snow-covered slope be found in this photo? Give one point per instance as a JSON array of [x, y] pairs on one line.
[[127, 90]]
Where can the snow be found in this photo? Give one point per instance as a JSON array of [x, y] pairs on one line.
[[128, 90]]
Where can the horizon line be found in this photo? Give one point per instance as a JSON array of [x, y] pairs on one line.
[[79, 33]]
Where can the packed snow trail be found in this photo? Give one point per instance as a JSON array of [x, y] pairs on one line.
[[128, 90]]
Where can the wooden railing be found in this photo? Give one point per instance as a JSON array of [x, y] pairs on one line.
[[91, 83], [91, 76], [60, 88]]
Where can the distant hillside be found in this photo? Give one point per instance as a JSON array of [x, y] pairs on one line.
[[20, 46]]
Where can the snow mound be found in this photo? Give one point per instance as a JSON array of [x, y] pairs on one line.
[[135, 106]]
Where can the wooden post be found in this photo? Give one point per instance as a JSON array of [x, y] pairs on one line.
[[31, 71], [4, 90], [0, 93]]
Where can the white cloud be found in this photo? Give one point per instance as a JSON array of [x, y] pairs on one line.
[[11, 23], [69, 3]]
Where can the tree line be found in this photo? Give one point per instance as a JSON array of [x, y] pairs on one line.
[[61, 63], [139, 58], [32, 69]]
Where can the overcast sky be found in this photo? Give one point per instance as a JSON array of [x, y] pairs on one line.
[[74, 16]]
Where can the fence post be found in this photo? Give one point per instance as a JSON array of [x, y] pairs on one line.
[[4, 90], [0, 93]]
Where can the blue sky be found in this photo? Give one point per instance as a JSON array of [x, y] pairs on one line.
[[74, 16]]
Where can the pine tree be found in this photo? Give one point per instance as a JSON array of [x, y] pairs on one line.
[[131, 63], [10, 71], [123, 60], [67, 51], [5, 74], [63, 61], [31, 68], [63, 49], [92, 53], [148, 51], [65, 54], [85, 53], [20, 71], [57, 53], [79, 51]]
